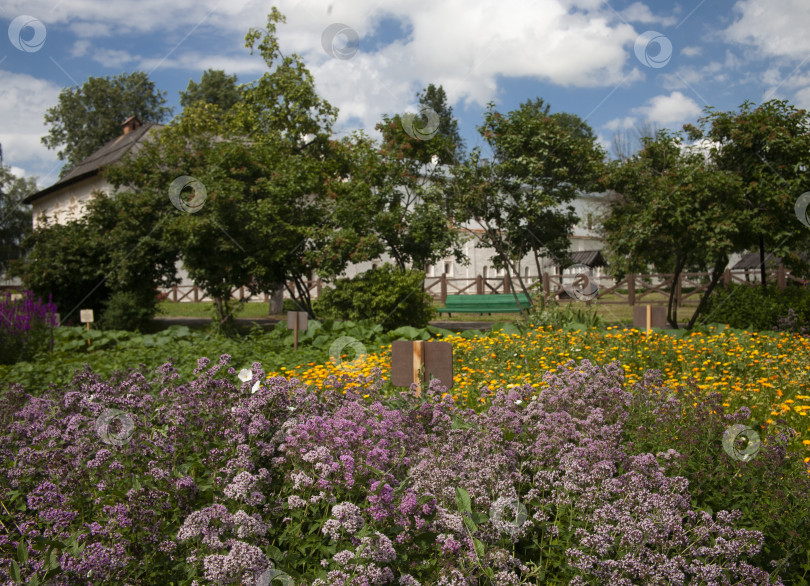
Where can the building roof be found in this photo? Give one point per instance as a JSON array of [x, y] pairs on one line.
[[750, 260], [591, 258], [110, 153]]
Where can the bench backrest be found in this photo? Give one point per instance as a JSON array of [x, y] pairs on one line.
[[495, 299]]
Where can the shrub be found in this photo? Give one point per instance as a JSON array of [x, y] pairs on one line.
[[126, 310], [744, 306], [25, 325], [385, 295]]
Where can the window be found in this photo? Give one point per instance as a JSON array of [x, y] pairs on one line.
[[448, 268]]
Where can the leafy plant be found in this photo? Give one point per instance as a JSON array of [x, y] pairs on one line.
[[384, 295]]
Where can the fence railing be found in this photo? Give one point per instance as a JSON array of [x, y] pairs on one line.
[[652, 288]]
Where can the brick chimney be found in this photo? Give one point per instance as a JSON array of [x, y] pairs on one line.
[[131, 124]]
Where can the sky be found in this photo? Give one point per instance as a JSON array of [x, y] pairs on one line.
[[619, 65]]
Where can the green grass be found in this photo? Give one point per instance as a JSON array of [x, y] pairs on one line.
[[205, 309]]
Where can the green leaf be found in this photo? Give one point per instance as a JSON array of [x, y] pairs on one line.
[[22, 552], [479, 547], [34, 581], [479, 518], [463, 500], [470, 524], [15, 572]]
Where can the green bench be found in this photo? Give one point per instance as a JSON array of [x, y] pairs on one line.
[[494, 303]]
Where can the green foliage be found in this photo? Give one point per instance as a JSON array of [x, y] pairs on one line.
[[384, 295], [67, 261], [672, 211], [126, 310], [755, 308], [119, 246], [552, 314], [768, 148], [541, 162], [215, 87], [685, 430], [15, 217], [87, 117]]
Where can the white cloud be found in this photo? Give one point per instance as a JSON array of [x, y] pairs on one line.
[[113, 57], [803, 98], [80, 48], [621, 123], [671, 109], [23, 101], [777, 28], [691, 51], [638, 12]]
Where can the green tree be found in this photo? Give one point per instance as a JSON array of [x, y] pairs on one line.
[[117, 249], [276, 206], [541, 161], [674, 211], [408, 176], [87, 117], [215, 87], [768, 148], [15, 217]]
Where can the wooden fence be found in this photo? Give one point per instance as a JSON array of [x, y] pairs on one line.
[[633, 289]]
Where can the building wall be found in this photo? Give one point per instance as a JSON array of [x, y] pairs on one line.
[[69, 203]]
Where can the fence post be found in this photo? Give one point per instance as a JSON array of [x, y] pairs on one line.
[[479, 285], [726, 278], [507, 283], [196, 294], [319, 287], [631, 288], [546, 286], [781, 278], [174, 293], [443, 288]]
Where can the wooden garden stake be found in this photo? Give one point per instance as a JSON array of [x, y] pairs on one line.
[[297, 320], [649, 317], [86, 317]]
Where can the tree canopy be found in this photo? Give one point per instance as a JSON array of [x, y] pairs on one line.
[[215, 87], [15, 217], [541, 161], [672, 210], [87, 117], [768, 148]]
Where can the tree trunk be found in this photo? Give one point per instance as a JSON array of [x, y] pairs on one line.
[[719, 268], [672, 312]]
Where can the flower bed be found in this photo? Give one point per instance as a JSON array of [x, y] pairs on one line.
[[147, 479]]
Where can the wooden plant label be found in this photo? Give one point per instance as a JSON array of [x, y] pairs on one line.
[[408, 358], [297, 320]]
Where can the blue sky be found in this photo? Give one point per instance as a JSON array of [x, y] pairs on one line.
[[618, 64]]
